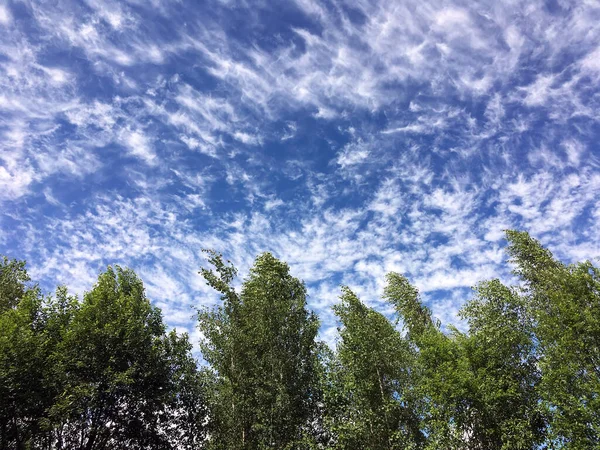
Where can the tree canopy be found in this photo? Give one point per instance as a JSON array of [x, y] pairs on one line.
[[104, 372], [100, 373]]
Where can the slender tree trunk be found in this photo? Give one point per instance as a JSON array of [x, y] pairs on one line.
[[16, 428]]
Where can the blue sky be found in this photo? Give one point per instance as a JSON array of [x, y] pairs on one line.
[[349, 138]]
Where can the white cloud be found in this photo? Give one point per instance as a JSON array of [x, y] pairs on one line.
[[58, 76], [538, 92], [574, 150], [273, 203], [72, 160], [15, 182], [592, 61], [411, 128], [405, 143], [195, 144], [290, 131], [247, 138], [352, 154], [139, 145], [5, 15]]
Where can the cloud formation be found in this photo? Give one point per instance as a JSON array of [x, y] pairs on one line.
[[349, 138]]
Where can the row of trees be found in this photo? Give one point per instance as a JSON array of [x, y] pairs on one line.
[[104, 372], [100, 373]]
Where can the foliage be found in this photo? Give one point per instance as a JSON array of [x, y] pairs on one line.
[[97, 374], [370, 398], [565, 307], [13, 283], [103, 372], [263, 356], [480, 387]]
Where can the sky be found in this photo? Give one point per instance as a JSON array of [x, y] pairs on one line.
[[348, 138]]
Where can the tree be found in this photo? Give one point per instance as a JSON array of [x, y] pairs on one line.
[[440, 370], [23, 357], [31, 327], [564, 302], [126, 382], [263, 356], [13, 283], [104, 373], [369, 397], [501, 352], [481, 386], [25, 349]]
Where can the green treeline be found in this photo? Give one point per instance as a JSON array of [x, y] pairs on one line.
[[103, 372]]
